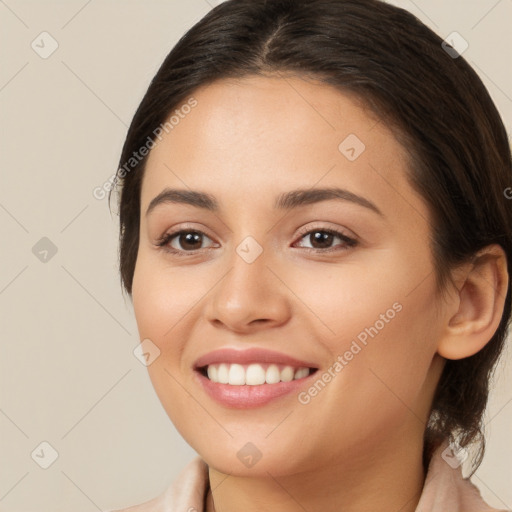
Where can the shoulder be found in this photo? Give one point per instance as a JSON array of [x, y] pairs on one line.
[[185, 494], [445, 488]]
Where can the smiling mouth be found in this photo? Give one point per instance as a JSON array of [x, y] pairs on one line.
[[253, 374]]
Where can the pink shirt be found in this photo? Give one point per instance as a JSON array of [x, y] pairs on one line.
[[445, 490]]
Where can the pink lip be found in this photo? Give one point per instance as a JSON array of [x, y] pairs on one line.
[[245, 397], [248, 397], [247, 356]]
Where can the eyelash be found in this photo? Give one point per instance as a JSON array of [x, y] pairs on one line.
[[163, 242]]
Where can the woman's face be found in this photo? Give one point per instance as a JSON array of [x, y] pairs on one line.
[[340, 281]]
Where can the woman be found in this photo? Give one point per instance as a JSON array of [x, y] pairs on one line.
[[317, 242]]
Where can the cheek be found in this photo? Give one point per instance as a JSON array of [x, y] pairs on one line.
[[165, 301], [382, 329], [388, 363], [163, 297], [377, 389]]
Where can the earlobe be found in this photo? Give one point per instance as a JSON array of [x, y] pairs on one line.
[[478, 305]]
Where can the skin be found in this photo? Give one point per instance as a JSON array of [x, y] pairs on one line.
[[357, 445]]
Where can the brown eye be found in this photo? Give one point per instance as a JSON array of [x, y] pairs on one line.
[[182, 241], [189, 240], [322, 239]]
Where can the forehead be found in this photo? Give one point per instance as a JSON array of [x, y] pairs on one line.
[[270, 134]]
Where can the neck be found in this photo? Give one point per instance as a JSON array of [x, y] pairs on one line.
[[386, 479]]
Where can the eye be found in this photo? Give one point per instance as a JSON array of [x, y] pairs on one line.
[[188, 241], [183, 241], [322, 238]]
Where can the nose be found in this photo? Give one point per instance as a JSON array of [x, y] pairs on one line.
[[250, 296]]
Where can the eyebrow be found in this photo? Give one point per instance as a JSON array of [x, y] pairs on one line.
[[285, 201]]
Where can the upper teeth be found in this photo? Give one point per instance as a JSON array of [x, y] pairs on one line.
[[253, 374]]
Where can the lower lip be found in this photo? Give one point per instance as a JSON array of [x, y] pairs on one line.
[[246, 397]]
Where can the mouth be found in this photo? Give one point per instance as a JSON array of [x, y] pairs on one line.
[[250, 378], [254, 374]]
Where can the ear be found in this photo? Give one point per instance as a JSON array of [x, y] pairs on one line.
[[474, 312]]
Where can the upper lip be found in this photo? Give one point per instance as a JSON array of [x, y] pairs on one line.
[[247, 356]]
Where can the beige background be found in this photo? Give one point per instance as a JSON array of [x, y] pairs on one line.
[[68, 373]]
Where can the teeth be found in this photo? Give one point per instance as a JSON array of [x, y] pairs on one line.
[[236, 375], [253, 374], [287, 374], [223, 374], [301, 372], [273, 374], [213, 373]]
